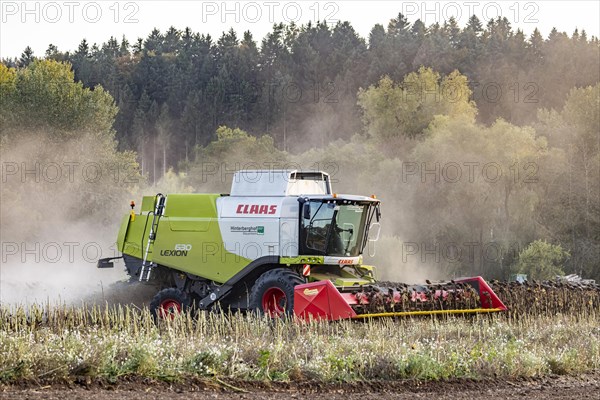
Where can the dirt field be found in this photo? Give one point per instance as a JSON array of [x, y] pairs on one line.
[[581, 387]]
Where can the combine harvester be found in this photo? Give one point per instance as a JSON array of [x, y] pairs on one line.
[[281, 243]]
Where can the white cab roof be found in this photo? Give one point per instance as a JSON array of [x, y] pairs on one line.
[[280, 183]]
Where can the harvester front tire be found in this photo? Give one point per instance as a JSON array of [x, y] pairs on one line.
[[167, 303], [273, 292]]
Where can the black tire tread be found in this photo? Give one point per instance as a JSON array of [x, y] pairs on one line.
[[285, 278], [169, 293]]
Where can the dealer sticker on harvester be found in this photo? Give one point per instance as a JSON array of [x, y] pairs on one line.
[[248, 230]]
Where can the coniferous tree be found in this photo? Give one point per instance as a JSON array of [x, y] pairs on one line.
[[26, 57]]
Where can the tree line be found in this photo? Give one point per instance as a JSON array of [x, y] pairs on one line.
[[471, 182], [299, 84]]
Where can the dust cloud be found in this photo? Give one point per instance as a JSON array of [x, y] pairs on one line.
[[62, 202], [61, 205]]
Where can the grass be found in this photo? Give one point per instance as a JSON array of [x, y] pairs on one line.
[[58, 344]]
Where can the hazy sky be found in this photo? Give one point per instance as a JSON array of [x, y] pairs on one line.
[[66, 23]]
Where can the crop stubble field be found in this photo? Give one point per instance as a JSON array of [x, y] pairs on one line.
[[121, 347]]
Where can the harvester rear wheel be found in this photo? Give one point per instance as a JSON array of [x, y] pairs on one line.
[[273, 292], [167, 303]]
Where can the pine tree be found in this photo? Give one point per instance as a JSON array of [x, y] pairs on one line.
[[26, 58], [536, 43], [172, 41], [124, 47], [51, 52]]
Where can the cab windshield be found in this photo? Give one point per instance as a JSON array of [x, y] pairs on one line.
[[334, 229]]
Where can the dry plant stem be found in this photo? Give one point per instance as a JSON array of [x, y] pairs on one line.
[[58, 343]]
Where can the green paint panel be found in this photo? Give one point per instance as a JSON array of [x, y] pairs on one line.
[[302, 260], [132, 244], [200, 253], [123, 232], [147, 203], [191, 212], [188, 237]]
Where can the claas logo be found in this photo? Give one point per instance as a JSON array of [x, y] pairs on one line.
[[256, 209]]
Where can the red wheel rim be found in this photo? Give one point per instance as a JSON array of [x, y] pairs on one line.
[[169, 308], [274, 302]]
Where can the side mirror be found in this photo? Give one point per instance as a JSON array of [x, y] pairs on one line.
[[374, 231], [306, 210]]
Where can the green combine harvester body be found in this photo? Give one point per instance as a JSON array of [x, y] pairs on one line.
[[188, 238], [281, 243]]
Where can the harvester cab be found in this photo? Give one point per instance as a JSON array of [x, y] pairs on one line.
[[282, 242]]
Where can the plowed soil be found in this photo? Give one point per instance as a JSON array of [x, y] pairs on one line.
[[553, 387]]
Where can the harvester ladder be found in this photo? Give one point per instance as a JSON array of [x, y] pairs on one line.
[[159, 207]]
